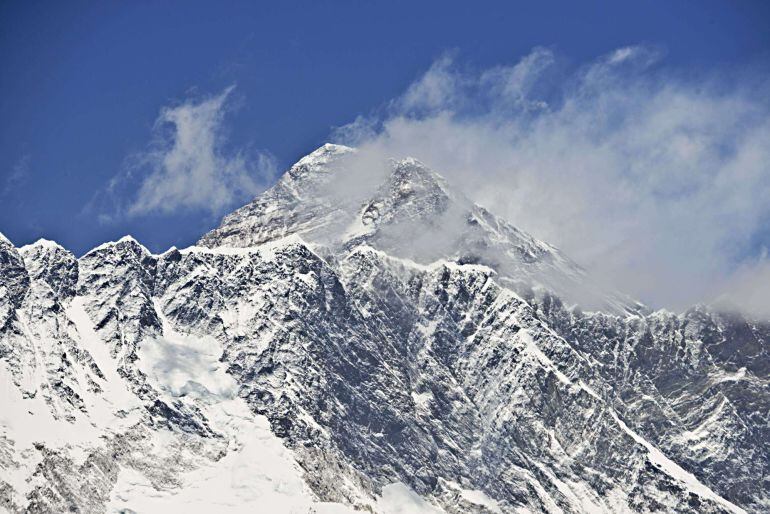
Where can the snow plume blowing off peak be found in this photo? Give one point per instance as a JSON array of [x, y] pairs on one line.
[[657, 182]]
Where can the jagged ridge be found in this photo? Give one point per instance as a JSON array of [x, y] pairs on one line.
[[358, 355]]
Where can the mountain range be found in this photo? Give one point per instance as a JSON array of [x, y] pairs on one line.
[[363, 337]]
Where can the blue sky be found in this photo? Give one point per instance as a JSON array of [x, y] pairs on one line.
[[82, 84], [89, 92]]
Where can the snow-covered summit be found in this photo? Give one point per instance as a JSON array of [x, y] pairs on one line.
[[127, 241], [323, 155], [408, 210]]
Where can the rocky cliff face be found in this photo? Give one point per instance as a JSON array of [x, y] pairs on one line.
[[335, 346]]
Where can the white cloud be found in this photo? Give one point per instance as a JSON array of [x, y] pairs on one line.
[[187, 166], [748, 288], [512, 85], [437, 88], [659, 182]]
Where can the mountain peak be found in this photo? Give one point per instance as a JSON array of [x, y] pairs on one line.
[[53, 264], [41, 244], [324, 153], [126, 241], [402, 207], [410, 177]]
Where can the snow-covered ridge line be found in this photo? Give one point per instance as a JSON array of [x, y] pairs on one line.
[[433, 266], [41, 243], [674, 470], [264, 248], [321, 155]]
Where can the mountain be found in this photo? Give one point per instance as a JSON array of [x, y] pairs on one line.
[[362, 337]]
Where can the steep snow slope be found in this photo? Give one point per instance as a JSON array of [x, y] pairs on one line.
[[89, 426], [395, 348], [256, 472]]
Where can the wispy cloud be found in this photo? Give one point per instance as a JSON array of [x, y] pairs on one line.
[[190, 170], [18, 175], [749, 287], [188, 166], [657, 181]]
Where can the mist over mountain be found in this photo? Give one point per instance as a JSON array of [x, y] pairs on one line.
[[652, 178], [362, 336]]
